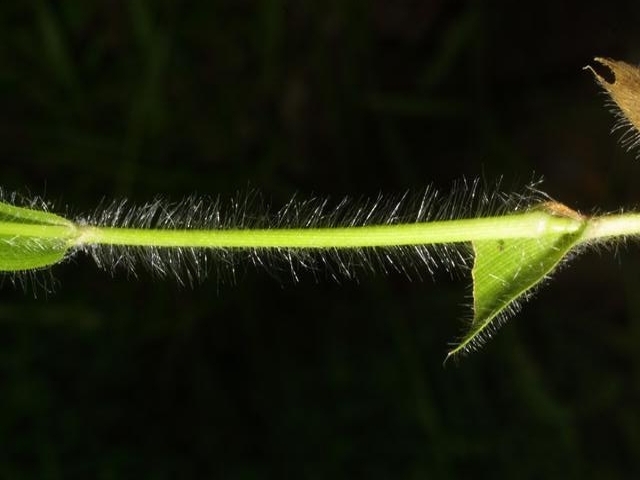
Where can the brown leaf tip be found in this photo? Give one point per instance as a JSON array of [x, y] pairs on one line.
[[621, 81]]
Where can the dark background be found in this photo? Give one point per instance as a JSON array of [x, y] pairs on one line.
[[115, 377]]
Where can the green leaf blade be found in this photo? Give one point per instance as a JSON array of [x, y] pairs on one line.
[[506, 271]]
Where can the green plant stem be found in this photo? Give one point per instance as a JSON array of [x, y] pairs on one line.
[[532, 224], [609, 226]]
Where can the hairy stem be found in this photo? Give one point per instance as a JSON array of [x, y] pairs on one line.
[[532, 224], [609, 226]]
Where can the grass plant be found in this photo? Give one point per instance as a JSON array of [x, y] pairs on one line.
[[514, 248]]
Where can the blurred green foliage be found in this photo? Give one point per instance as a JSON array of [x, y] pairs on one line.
[[123, 377]]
